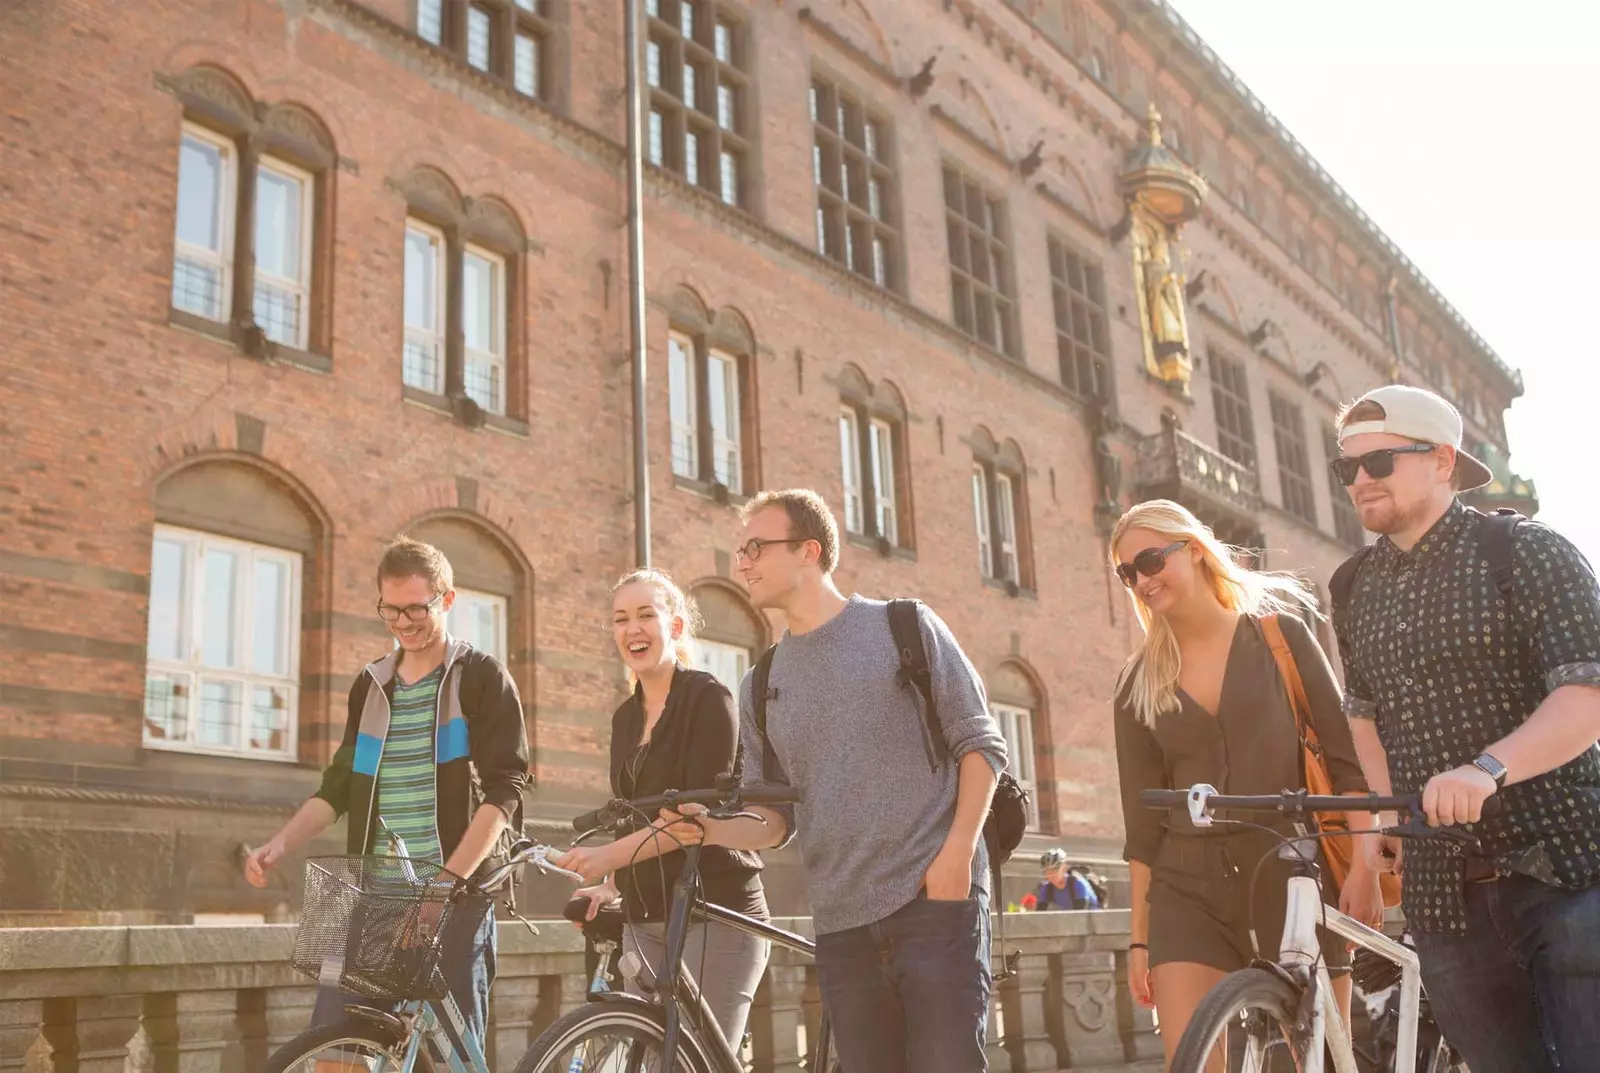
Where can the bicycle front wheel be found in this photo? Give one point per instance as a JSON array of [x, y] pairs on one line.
[[607, 1038], [1244, 1025], [348, 1047]]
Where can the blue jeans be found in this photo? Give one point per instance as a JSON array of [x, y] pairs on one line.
[[1520, 991], [912, 990], [467, 960]]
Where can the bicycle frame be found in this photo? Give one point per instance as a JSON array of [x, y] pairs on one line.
[[420, 1019]]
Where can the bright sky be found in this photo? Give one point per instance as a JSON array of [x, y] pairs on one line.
[[1463, 128]]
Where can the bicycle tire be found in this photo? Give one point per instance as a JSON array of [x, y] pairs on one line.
[[352, 1032], [647, 1023], [1269, 1000]]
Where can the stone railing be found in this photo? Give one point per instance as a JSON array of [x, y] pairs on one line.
[[1171, 460], [221, 999]]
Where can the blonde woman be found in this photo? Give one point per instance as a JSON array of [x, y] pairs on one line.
[[1201, 700], [678, 730]]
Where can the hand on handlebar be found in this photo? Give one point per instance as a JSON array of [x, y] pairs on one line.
[[593, 863], [684, 826], [1457, 796]]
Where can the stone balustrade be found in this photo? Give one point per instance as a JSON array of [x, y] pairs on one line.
[[200, 999]]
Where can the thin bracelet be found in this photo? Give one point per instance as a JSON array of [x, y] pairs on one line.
[[1138, 946]]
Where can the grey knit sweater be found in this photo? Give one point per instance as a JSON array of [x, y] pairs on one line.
[[852, 738]]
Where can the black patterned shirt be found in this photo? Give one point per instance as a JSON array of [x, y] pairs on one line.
[[1448, 666]]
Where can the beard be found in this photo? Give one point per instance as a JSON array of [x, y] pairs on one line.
[[1385, 516]]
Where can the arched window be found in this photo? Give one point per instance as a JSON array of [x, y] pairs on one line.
[[873, 459], [1000, 511], [732, 635], [1017, 706], [491, 582], [231, 556], [710, 388]]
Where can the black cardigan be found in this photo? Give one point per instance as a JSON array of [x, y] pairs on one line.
[[695, 740]]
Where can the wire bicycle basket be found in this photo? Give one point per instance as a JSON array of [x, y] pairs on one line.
[[376, 926]]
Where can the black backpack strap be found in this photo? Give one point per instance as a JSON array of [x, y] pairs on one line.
[[1498, 532], [906, 626], [758, 701], [1343, 581]]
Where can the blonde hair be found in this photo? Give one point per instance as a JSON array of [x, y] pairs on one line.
[[678, 605], [1153, 668]]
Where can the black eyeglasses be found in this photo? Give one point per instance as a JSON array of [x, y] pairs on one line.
[[751, 549], [412, 612], [1378, 464], [1149, 562]]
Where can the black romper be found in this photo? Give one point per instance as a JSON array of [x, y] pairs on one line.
[[1199, 901]]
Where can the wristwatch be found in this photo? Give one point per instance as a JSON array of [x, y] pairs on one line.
[[1492, 768]]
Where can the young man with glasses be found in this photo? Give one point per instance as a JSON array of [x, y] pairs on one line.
[[895, 863], [1463, 685], [434, 750]]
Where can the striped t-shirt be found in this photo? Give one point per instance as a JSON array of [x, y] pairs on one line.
[[407, 780]]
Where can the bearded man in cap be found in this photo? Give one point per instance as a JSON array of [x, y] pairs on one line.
[[1471, 650]]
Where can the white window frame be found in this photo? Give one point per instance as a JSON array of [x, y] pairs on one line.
[[683, 407], [221, 260], [191, 671], [488, 38], [727, 441], [430, 21], [414, 335], [1016, 726], [1005, 499], [727, 663], [467, 599], [518, 41], [980, 508], [299, 289], [495, 357], [880, 449], [855, 520]]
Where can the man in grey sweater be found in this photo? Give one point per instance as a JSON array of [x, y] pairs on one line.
[[895, 862]]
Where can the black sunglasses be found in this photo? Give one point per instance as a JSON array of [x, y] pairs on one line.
[[1378, 464], [1149, 562]]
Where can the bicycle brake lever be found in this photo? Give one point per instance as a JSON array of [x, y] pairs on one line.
[[742, 814], [541, 862], [1420, 829]]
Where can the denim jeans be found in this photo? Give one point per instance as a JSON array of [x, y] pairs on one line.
[[912, 990], [1520, 991], [467, 960]]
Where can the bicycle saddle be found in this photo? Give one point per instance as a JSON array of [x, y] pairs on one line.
[[606, 927]]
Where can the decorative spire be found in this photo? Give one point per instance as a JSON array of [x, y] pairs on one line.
[[1154, 121]]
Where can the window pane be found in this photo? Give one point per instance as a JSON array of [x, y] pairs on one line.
[[219, 713], [727, 663], [478, 302], [686, 17], [980, 511], [430, 20], [655, 138], [270, 610], [278, 223], [422, 280], [200, 190], [882, 448], [690, 86], [166, 707], [680, 388], [478, 38], [218, 626], [652, 63], [269, 718], [529, 5], [169, 564], [691, 157], [850, 460], [724, 42], [725, 107], [479, 618], [730, 178], [526, 73], [723, 398]]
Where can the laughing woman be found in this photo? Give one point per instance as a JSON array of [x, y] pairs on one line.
[[1201, 701], [679, 730]]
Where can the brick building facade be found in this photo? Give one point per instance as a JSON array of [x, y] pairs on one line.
[[284, 278]]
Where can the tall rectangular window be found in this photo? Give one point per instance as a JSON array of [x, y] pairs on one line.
[[682, 390], [479, 618], [423, 363], [1083, 347], [998, 505], [1006, 513], [982, 289], [483, 320], [223, 644], [980, 511], [1230, 398], [722, 397], [850, 462], [1294, 461], [509, 40], [856, 189], [727, 663], [700, 124], [282, 252], [203, 239], [880, 449], [479, 37], [1016, 726]]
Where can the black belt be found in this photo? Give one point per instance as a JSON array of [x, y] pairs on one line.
[[1480, 870]]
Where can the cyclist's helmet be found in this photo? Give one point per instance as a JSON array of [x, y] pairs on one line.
[[1053, 859]]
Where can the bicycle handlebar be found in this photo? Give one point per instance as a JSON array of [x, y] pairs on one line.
[[1201, 800], [620, 810]]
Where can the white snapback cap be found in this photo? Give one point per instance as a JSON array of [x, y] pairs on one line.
[[1421, 415]]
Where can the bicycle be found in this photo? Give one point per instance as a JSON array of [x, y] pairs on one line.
[[375, 926], [616, 1032], [1282, 1015]]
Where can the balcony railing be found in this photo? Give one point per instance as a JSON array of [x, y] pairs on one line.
[[1175, 465]]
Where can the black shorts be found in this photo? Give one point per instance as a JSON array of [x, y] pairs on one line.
[[1200, 905]]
